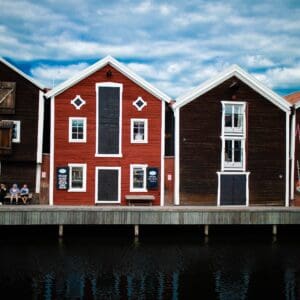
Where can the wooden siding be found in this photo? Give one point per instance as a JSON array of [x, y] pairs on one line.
[[66, 152], [45, 215], [200, 146]]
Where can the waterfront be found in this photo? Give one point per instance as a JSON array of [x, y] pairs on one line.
[[165, 263]]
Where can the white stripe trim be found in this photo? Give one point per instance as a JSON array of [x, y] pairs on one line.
[[39, 155], [177, 158], [287, 160], [162, 156], [52, 131]]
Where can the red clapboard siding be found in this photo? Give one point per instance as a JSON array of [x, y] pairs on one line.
[[66, 152]]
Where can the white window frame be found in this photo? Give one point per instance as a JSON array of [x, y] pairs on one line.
[[83, 140], [83, 102], [233, 135], [17, 124], [120, 86], [119, 184], [84, 167], [134, 103], [132, 188], [145, 140]]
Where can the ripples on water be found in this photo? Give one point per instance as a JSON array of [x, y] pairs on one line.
[[175, 265]]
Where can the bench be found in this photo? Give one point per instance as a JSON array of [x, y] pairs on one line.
[[7, 198], [139, 199]]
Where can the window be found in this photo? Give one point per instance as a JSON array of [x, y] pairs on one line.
[[78, 102], [233, 135], [6, 128], [16, 130], [77, 130], [139, 131], [138, 178], [139, 103], [77, 175], [7, 97]]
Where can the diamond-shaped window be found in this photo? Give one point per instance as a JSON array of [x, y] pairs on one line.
[[139, 103], [78, 102]]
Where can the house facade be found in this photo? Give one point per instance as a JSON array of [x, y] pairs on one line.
[[107, 138], [232, 143], [21, 127]]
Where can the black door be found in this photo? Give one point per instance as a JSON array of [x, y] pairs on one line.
[[108, 185], [233, 189]]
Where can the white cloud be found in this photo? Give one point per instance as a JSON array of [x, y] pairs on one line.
[[257, 61]]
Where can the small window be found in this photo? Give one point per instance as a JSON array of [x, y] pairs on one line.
[[139, 103], [78, 102], [77, 130], [138, 178], [6, 128], [233, 153], [7, 97], [234, 118], [139, 131], [16, 130], [77, 177]]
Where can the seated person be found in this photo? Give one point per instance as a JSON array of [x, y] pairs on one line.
[[2, 193], [14, 193], [24, 193]]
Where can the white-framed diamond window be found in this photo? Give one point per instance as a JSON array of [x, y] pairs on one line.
[[233, 117], [77, 177], [139, 103], [77, 130], [139, 131], [16, 130], [138, 178], [78, 102]]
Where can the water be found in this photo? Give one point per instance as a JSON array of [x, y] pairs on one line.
[[164, 264]]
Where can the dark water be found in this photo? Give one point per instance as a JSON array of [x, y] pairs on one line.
[[177, 264]]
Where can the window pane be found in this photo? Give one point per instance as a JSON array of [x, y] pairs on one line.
[[228, 151], [139, 130], [77, 129], [237, 151], [77, 177], [138, 178], [228, 115]]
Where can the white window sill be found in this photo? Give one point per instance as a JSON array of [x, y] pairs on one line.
[[77, 190]]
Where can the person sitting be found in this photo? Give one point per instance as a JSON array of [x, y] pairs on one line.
[[2, 193], [14, 193], [24, 193]]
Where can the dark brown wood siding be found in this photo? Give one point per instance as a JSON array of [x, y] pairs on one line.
[[200, 146], [23, 155]]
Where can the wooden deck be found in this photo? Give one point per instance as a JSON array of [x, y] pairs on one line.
[[109, 215]]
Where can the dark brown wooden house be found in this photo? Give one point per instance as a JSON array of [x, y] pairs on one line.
[[232, 143], [21, 127]]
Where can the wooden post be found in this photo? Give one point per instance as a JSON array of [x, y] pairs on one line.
[[206, 230], [136, 230], [274, 229], [60, 230]]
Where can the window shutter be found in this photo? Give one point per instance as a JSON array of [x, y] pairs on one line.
[[7, 97], [6, 128]]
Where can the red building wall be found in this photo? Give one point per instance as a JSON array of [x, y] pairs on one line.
[[65, 152]]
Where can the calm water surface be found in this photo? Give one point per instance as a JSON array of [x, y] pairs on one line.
[[94, 264]]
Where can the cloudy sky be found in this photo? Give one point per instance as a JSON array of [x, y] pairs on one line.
[[175, 45]]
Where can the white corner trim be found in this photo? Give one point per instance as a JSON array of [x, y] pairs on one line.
[[120, 86], [119, 184], [39, 154], [144, 168], [119, 67], [292, 150], [84, 177], [145, 140], [38, 178], [30, 79], [177, 158], [162, 153], [52, 131], [83, 140], [287, 160], [238, 72]]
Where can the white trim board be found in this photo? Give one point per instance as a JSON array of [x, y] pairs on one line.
[[33, 81], [108, 60], [238, 72]]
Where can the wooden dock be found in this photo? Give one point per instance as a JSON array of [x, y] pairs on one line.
[[147, 215]]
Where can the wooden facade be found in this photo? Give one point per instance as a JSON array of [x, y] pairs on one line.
[[21, 106], [202, 177], [108, 151]]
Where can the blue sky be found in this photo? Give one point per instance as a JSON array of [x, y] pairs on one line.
[[175, 45]]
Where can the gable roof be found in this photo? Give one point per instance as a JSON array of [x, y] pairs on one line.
[[15, 69], [238, 72], [294, 99], [108, 60]]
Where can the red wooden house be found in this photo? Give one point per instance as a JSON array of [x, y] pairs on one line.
[[232, 143], [107, 138]]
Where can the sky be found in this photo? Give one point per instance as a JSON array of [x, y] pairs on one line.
[[174, 45]]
